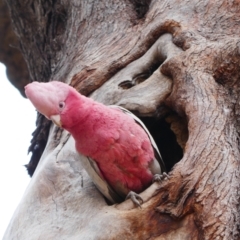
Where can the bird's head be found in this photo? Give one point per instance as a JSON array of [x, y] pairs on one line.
[[55, 100]]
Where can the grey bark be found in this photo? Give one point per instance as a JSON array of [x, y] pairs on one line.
[[177, 61]]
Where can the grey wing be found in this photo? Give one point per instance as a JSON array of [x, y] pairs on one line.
[[154, 166], [94, 172]]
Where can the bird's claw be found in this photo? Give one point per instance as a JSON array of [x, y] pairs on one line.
[[160, 177], [135, 198]]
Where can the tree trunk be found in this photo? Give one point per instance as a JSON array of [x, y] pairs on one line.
[[173, 63]]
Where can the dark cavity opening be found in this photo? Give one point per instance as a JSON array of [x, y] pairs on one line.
[[141, 7], [140, 77], [165, 139]]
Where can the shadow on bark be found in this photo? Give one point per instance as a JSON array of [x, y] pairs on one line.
[[176, 65]]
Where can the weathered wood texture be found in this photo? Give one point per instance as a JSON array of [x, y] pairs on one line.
[[179, 61], [10, 55]]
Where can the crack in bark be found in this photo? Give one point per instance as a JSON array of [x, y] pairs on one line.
[[204, 76]]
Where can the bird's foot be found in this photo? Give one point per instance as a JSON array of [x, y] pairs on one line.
[[160, 177], [135, 198]]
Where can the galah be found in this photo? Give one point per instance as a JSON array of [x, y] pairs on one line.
[[122, 157]]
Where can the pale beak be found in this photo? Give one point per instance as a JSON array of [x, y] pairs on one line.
[[57, 120]]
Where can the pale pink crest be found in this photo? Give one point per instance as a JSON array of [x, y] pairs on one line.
[[47, 96]]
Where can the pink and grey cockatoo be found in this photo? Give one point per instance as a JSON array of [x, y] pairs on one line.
[[122, 156]]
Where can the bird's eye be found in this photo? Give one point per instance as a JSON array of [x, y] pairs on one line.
[[61, 105]]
